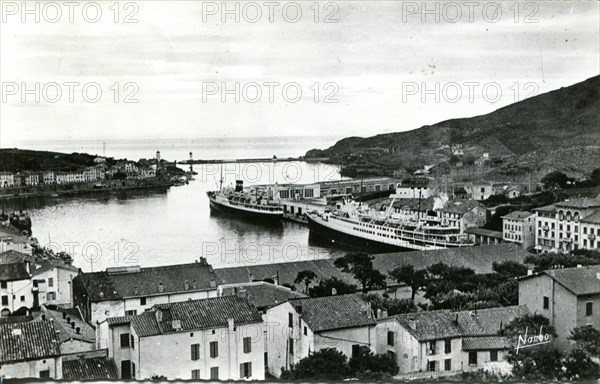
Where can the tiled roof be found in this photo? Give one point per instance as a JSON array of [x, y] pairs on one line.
[[13, 272], [42, 266], [66, 332], [27, 341], [142, 282], [518, 215], [485, 343], [15, 319], [334, 312], [547, 208], [580, 202], [95, 368], [430, 325], [460, 206], [192, 315], [593, 218], [12, 257], [263, 295], [487, 322], [580, 281]]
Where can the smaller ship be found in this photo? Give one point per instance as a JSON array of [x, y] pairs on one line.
[[255, 204]]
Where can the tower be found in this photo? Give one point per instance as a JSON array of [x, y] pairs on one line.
[[158, 156]]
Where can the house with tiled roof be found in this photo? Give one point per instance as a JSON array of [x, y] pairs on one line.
[[16, 288], [304, 325], [446, 342], [121, 291], [568, 297], [74, 334], [464, 214], [94, 365], [519, 227], [262, 294], [218, 339], [29, 349], [53, 278]]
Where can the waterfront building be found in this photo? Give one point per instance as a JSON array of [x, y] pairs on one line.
[[464, 214], [568, 297], [7, 179], [121, 291], [53, 279], [304, 325], [19, 180], [519, 227], [31, 178], [420, 188], [482, 236], [356, 187], [16, 289], [91, 174], [30, 349], [444, 342], [48, 177], [212, 339], [568, 225]]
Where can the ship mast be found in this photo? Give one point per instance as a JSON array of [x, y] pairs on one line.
[[221, 180]]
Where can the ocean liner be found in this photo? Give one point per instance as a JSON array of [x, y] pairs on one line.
[[252, 204], [352, 223]]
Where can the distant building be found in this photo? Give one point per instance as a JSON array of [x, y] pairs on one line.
[[482, 236], [519, 227], [7, 179], [414, 189], [445, 341], [306, 325], [211, 339], [568, 297], [48, 177], [465, 214], [30, 349], [99, 160], [121, 291]]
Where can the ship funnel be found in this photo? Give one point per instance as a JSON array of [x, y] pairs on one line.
[[239, 185]]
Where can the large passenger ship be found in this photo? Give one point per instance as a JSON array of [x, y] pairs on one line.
[[245, 204], [352, 224]]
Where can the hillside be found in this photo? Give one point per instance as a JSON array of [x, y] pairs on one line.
[[15, 160], [558, 130]]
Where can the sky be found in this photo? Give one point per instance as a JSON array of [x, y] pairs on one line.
[[188, 69]]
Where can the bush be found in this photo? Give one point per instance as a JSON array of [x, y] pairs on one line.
[[368, 365]]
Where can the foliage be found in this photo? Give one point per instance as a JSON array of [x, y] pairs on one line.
[[541, 362], [415, 279], [325, 288], [595, 176], [326, 364], [579, 365], [306, 276], [392, 306], [544, 261], [555, 179], [530, 324], [509, 268], [360, 265], [368, 365], [587, 338]]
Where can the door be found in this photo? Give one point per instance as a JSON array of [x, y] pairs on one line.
[[125, 369]]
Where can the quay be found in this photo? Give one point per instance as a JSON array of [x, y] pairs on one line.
[[273, 159]]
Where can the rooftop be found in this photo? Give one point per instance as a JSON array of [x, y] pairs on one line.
[[118, 283], [547, 208], [334, 312], [517, 215], [580, 202], [579, 280], [27, 341], [42, 266], [593, 218], [484, 232], [262, 294], [485, 343], [429, 325], [66, 331], [461, 206], [95, 368], [191, 315], [489, 321]]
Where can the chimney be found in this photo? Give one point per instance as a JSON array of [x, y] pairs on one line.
[[135, 290], [456, 319], [68, 319], [44, 317], [242, 293], [230, 324], [333, 291], [194, 285], [186, 285], [379, 312], [299, 309], [161, 287], [384, 314], [78, 330], [72, 325], [213, 283], [412, 323], [251, 277], [64, 315], [159, 315]]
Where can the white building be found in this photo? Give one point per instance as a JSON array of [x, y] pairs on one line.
[[30, 350], [48, 177], [7, 179], [16, 288], [519, 227], [304, 325], [53, 278], [445, 341], [218, 339], [121, 291]]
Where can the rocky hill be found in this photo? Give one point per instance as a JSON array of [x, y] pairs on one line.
[[16, 160], [558, 130]]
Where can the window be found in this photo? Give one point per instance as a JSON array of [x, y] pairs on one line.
[[214, 349], [448, 346], [124, 340], [305, 331], [546, 302], [195, 374], [291, 345], [3, 285], [132, 341], [247, 345], [4, 300], [131, 312], [245, 370], [142, 301], [448, 365], [51, 295], [392, 355], [589, 308], [195, 349], [493, 355], [214, 373], [355, 349], [390, 338], [291, 320], [432, 347], [22, 299], [473, 358], [50, 282], [45, 374], [431, 366]]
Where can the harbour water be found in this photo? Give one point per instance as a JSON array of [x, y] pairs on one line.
[[157, 228]]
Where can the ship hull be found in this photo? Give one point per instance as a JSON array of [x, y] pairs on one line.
[[245, 214], [329, 237]]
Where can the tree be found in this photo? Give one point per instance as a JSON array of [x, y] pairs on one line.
[[579, 365], [555, 179], [360, 265], [366, 365], [306, 276], [414, 279], [509, 268], [392, 306], [595, 176], [327, 364], [587, 338], [326, 287]]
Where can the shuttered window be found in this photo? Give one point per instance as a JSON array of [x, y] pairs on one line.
[[195, 349], [245, 370], [247, 345], [214, 349]]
